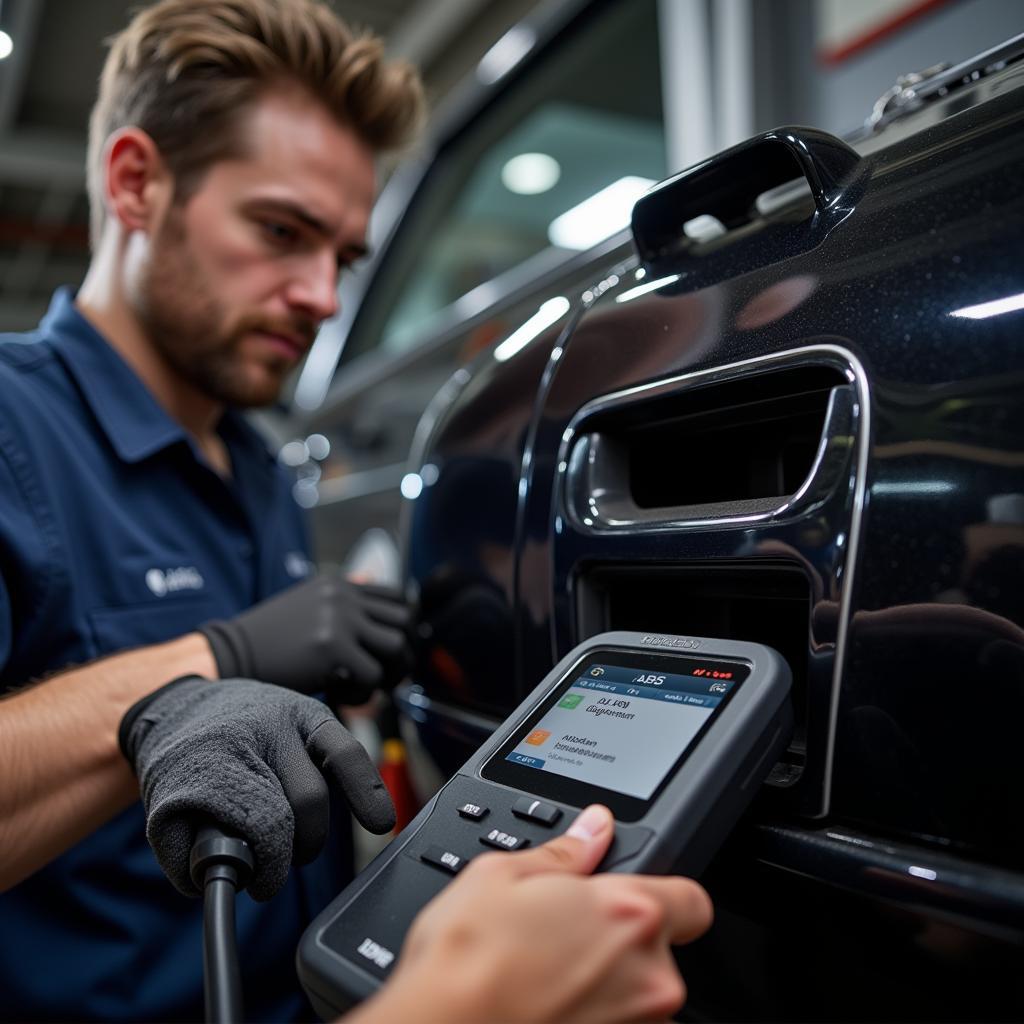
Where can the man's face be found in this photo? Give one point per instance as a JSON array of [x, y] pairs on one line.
[[241, 274]]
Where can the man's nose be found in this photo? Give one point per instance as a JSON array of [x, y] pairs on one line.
[[314, 289]]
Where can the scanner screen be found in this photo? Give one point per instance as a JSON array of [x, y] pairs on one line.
[[623, 727]]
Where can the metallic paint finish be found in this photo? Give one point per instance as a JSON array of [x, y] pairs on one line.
[[924, 824]]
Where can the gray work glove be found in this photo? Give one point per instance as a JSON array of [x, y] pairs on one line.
[[325, 634], [252, 758]]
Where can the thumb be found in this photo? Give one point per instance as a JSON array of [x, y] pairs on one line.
[[578, 851]]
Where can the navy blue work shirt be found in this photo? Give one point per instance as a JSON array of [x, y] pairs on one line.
[[114, 533]]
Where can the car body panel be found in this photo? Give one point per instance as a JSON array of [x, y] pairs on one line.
[[885, 855]]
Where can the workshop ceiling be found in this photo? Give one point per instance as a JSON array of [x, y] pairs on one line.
[[47, 86]]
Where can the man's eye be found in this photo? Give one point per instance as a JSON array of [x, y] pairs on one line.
[[277, 232]]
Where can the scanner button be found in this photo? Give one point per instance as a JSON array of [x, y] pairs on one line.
[[443, 859], [473, 811], [534, 810], [503, 840]]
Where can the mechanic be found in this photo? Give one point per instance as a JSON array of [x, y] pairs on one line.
[[145, 530]]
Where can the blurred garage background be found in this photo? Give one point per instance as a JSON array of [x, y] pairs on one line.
[[548, 119]]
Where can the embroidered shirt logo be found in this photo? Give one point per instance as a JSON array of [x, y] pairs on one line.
[[162, 582]]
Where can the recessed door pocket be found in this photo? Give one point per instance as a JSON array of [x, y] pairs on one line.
[[755, 446]]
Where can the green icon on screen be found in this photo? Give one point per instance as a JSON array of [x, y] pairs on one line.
[[570, 700]]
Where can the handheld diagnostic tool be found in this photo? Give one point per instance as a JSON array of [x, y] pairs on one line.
[[674, 734]]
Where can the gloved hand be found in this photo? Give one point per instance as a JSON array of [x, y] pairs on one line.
[[252, 758], [325, 634]]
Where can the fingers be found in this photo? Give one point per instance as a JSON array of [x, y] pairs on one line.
[[344, 761], [383, 591], [376, 660], [389, 612], [659, 990], [361, 666], [385, 604], [305, 789], [687, 907], [383, 641], [578, 851], [365, 629]]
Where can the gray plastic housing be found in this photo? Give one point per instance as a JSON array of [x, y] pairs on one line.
[[350, 949]]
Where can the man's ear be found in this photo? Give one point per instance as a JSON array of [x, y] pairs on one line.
[[138, 185]]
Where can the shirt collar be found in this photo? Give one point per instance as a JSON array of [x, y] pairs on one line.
[[134, 422]]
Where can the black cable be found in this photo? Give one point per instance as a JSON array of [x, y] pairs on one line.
[[222, 864], [223, 987]]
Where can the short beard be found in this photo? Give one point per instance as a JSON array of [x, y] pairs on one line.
[[191, 331]]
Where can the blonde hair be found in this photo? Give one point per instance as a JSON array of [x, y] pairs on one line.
[[185, 72]]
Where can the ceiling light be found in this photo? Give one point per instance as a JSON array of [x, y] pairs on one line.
[[600, 216], [318, 447], [6, 45], [294, 453], [529, 174], [412, 486]]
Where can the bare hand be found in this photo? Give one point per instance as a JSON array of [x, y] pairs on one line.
[[533, 936]]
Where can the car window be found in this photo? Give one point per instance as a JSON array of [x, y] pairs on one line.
[[586, 122]]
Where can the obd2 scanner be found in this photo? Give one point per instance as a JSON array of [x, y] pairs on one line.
[[674, 734]]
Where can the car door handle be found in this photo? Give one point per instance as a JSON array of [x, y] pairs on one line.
[[727, 187]]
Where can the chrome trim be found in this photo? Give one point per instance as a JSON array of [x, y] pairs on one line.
[[912, 90], [648, 521], [819, 482], [422, 437], [1000, 54], [846, 595], [836, 355], [927, 880]]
